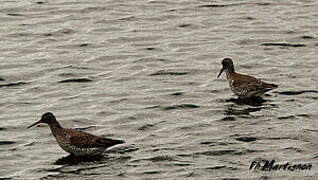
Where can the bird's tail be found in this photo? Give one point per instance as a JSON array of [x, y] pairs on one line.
[[107, 142], [115, 141], [118, 141], [270, 86]]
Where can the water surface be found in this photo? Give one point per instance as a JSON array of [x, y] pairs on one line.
[[145, 71]]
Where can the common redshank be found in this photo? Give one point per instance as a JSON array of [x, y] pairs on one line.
[[76, 142], [244, 86]]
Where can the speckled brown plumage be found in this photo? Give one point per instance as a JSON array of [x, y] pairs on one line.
[[74, 141], [244, 86]]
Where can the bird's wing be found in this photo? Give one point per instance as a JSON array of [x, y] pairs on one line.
[[86, 140], [247, 83]]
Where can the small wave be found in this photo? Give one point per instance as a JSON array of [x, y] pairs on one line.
[[292, 93], [145, 127], [222, 152], [246, 139], [180, 106], [177, 94], [13, 84], [283, 44], [173, 107], [76, 80], [171, 73], [6, 142]]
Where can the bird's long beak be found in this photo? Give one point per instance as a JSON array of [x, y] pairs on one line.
[[38, 122], [220, 72]]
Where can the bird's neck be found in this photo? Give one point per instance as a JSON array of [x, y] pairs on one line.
[[56, 128], [229, 72]]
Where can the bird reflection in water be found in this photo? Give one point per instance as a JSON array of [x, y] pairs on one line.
[[255, 104], [73, 160]]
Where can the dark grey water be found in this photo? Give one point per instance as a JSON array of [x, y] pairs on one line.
[[145, 72]]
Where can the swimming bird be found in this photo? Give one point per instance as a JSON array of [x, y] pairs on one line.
[[244, 86], [76, 142]]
